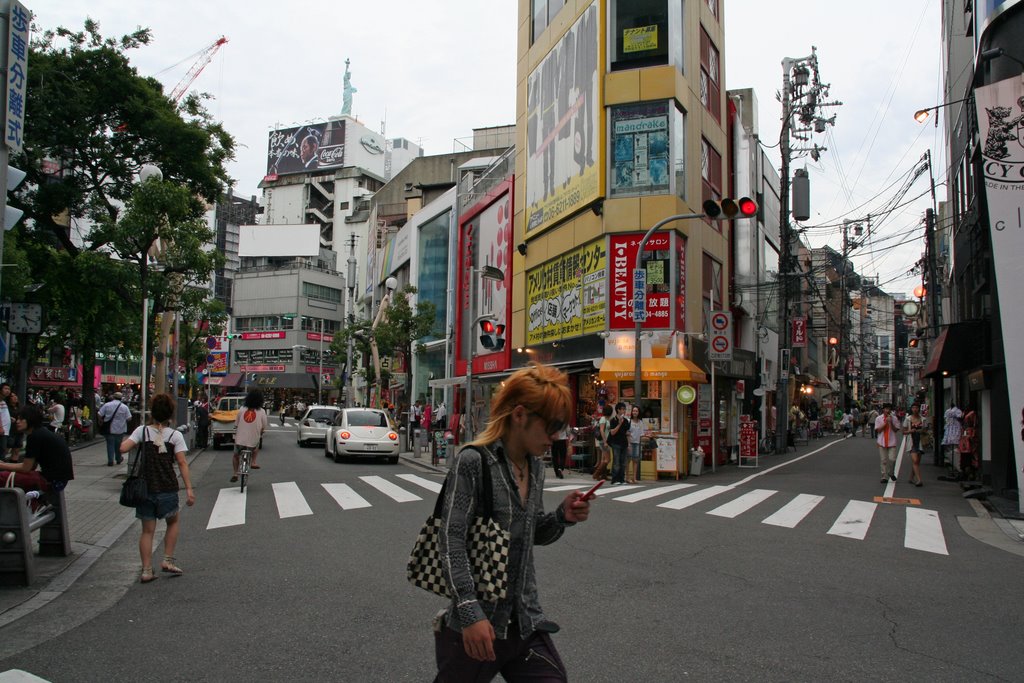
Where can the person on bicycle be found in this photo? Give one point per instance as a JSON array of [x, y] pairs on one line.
[[250, 424]]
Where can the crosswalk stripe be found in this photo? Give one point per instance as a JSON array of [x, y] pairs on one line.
[[652, 493], [605, 490], [737, 507], [924, 532], [568, 487], [346, 497], [694, 498], [428, 484], [396, 493], [290, 502], [854, 520], [793, 512], [229, 510]]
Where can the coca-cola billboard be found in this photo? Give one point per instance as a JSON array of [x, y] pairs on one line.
[[306, 149]]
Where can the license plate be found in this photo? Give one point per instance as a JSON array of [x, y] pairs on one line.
[[371, 446]]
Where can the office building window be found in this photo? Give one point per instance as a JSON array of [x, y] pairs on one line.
[[321, 292], [640, 33], [433, 275], [543, 12], [710, 173], [648, 149], [710, 78]]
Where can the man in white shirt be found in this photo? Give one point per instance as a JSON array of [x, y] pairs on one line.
[[5, 418], [56, 411], [888, 429]]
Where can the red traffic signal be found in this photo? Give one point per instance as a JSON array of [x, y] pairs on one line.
[[728, 209], [492, 335]]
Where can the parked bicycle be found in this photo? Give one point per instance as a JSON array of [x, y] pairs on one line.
[[767, 444]]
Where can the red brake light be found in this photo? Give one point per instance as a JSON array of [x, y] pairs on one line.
[[345, 435], [392, 436]]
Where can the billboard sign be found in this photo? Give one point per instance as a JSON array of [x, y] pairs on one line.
[[306, 149], [562, 126], [658, 301], [566, 297]]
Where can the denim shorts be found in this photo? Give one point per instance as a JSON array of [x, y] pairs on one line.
[[158, 506]]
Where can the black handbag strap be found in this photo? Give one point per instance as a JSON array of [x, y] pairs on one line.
[[135, 469], [488, 489]]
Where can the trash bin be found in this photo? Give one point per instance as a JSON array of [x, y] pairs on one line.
[[696, 461]]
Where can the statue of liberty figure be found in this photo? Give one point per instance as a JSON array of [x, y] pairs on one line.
[[346, 106]]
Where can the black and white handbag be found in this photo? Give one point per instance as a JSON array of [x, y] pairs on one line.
[[487, 545]]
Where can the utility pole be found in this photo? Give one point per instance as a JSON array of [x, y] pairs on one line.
[[844, 349], [802, 99], [350, 276], [938, 399]]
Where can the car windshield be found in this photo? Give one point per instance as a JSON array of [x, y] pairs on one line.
[[367, 418], [321, 415]]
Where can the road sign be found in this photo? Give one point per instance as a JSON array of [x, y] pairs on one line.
[[721, 336]]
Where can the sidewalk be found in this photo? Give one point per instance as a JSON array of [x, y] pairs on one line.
[[96, 521]]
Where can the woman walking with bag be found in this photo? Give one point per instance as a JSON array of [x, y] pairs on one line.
[[163, 447], [476, 640]]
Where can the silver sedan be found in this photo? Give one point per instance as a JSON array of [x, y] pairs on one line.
[[315, 423], [362, 433]]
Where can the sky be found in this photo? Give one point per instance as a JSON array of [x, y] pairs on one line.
[[435, 71]]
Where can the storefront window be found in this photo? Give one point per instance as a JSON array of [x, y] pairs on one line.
[[648, 149], [433, 275]]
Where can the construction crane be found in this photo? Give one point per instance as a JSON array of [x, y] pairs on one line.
[[203, 58]]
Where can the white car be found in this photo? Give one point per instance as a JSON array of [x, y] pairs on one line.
[[315, 423], [362, 433]]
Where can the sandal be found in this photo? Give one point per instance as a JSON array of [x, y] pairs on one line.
[[234, 478], [255, 467], [168, 566], [147, 575]]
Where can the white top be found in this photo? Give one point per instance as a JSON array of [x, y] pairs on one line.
[[170, 436], [637, 429], [57, 410], [887, 438], [5, 417], [250, 425]]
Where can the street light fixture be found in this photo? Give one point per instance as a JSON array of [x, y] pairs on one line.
[[921, 115], [147, 173]]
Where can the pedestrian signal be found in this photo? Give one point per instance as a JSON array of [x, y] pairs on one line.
[[492, 334]]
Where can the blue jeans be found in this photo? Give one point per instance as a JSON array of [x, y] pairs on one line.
[[619, 462], [113, 448]]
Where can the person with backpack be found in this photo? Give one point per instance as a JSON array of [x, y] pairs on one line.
[[114, 416], [163, 448]]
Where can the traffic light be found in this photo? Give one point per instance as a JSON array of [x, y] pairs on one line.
[[728, 209], [12, 215], [492, 334]]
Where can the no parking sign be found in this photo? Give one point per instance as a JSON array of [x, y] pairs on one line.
[[720, 344]]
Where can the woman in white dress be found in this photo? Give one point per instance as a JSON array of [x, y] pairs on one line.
[[954, 428]]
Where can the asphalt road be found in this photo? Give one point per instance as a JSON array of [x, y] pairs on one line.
[[687, 584]]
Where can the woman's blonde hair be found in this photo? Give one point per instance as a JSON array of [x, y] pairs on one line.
[[540, 389]]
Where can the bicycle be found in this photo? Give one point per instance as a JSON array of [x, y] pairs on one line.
[[767, 445], [244, 463]]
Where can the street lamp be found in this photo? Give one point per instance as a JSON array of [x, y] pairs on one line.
[[640, 294], [485, 273], [147, 173], [320, 374], [921, 115]]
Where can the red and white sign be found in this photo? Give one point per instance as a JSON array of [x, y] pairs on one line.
[[748, 438], [622, 251], [721, 336], [255, 336], [315, 336], [799, 336]]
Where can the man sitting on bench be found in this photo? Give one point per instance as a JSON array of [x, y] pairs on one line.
[[42, 447]]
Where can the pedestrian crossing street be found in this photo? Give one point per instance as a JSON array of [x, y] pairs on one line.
[[923, 529]]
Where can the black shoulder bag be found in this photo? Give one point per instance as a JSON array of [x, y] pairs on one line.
[[134, 491], [487, 545]]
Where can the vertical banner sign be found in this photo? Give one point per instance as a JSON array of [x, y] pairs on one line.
[[720, 344], [799, 336], [1000, 117], [639, 295], [17, 73], [622, 249]]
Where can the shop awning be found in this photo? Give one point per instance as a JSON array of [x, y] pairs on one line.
[[959, 347], [677, 369], [281, 380], [227, 381]]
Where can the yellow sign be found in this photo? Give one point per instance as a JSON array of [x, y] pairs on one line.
[[567, 296], [640, 39]]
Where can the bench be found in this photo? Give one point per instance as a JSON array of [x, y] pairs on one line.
[[17, 522]]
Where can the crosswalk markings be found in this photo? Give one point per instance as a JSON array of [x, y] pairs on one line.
[[923, 528], [924, 532], [346, 498], [396, 493], [793, 512], [652, 493], [428, 484], [737, 507], [229, 510], [855, 520], [290, 502], [694, 498]]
